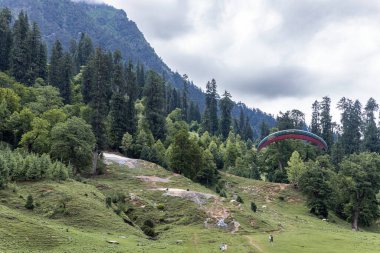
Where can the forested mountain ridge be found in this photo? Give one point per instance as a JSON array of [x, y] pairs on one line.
[[111, 29]]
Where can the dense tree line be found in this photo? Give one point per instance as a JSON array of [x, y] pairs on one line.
[[345, 179], [21, 166], [87, 100]]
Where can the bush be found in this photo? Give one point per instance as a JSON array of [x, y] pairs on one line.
[[239, 199], [223, 194], [18, 166], [161, 207], [253, 207], [29, 203], [108, 201], [148, 231], [100, 167], [149, 223]]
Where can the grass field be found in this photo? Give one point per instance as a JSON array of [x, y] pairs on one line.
[[73, 216]]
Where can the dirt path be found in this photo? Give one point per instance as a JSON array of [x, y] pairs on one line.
[[254, 244], [197, 197], [113, 158]]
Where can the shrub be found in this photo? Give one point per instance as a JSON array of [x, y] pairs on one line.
[[148, 231], [253, 207], [161, 207], [239, 199], [149, 223], [29, 203], [108, 201]]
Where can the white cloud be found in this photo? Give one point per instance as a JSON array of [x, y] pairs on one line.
[[269, 54]]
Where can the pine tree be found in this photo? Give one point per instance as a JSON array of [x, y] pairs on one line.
[[132, 93], [315, 119], [264, 130], [65, 66], [351, 122], [185, 103], [5, 38], [371, 133], [20, 60], [118, 105], [55, 62], [85, 50], [60, 71], [210, 115], [99, 90], [154, 91], [226, 106], [248, 131], [195, 114], [326, 121], [42, 62], [174, 100], [140, 78], [240, 124], [34, 54]]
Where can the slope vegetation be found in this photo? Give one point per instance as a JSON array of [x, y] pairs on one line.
[[74, 216]]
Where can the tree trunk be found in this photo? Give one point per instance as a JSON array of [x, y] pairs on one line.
[[95, 155], [355, 219], [355, 213]]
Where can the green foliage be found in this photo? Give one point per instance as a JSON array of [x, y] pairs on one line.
[[5, 38], [239, 199], [253, 207], [154, 91], [161, 207], [37, 139], [360, 179], [295, 168], [127, 142], [73, 142], [226, 106], [371, 142], [149, 223], [351, 122], [4, 172], [108, 201], [148, 231], [27, 54], [210, 117], [315, 184], [19, 166], [29, 203], [44, 98]]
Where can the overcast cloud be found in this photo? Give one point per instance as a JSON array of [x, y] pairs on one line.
[[270, 54]]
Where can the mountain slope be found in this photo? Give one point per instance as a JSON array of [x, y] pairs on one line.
[[111, 29]]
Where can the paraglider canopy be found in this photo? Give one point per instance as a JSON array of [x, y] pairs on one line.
[[292, 134]]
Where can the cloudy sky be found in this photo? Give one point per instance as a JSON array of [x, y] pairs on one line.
[[270, 54]]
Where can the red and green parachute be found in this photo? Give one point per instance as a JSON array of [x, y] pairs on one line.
[[292, 134]]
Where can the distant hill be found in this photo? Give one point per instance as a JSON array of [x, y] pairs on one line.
[[111, 29]]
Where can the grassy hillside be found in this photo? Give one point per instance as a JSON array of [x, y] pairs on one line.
[[73, 216]]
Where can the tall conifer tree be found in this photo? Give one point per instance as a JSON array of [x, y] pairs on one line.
[[5, 38], [226, 106], [154, 91], [20, 60]]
